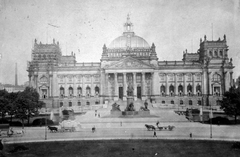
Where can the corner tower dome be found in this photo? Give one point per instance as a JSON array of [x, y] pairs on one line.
[[128, 39]]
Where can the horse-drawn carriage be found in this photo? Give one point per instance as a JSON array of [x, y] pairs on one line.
[[160, 128], [5, 129], [66, 125]]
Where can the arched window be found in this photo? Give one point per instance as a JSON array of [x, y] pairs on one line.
[[88, 91], [181, 102], [79, 103], [70, 104], [79, 91], [171, 90], [163, 102], [162, 89], [215, 53], [180, 90], [189, 88], [88, 103], [210, 53], [97, 90], [199, 102], [172, 102], [198, 89], [216, 78], [61, 104], [221, 53], [190, 102], [70, 90], [61, 91]]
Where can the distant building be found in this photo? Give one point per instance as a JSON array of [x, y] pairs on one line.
[[199, 78], [12, 88]]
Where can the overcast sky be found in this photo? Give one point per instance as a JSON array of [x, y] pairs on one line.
[[85, 25]]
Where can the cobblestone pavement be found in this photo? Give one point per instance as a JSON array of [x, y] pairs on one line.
[[131, 128]]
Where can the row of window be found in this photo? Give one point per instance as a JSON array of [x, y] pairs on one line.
[[216, 53], [199, 102], [79, 91], [70, 104], [180, 78], [86, 79], [180, 88]]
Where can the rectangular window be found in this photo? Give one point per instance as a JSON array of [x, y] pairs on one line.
[[139, 78], [120, 79]]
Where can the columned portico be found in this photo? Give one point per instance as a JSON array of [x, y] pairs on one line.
[[134, 86]]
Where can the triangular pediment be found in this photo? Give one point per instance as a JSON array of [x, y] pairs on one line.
[[129, 63]]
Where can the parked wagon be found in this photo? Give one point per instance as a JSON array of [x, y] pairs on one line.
[[4, 128], [169, 127]]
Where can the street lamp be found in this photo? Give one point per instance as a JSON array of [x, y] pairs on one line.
[[210, 117], [46, 126]]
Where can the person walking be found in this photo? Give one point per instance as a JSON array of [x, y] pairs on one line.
[[154, 134]]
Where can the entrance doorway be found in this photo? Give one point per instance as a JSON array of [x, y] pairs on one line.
[[120, 89], [139, 93]]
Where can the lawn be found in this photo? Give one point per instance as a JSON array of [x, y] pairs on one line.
[[123, 148]]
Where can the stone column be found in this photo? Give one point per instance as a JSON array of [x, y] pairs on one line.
[[106, 85], [102, 85], [50, 86], [83, 87], [184, 84], [210, 90], [167, 87], [134, 86], [36, 82], [143, 84], [116, 87], [152, 83], [74, 86], [194, 86], [65, 86], [124, 87], [92, 87], [176, 86]]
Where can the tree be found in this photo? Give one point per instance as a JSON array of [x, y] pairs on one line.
[[231, 102], [11, 106], [3, 103], [27, 104]]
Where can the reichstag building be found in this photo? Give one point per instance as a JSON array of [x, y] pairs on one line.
[[197, 79]]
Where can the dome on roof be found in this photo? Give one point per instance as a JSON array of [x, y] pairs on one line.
[[132, 41]]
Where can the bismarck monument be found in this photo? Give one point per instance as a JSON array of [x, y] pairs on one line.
[[130, 110]]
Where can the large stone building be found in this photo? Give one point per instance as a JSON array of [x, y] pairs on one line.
[[199, 78]]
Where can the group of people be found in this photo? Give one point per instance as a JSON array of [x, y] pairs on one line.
[[97, 114]]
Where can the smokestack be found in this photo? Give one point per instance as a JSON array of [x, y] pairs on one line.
[[16, 79]]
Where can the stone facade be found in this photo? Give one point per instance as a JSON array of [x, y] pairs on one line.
[[199, 78]]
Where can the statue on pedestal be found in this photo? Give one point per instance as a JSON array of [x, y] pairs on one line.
[[130, 90], [130, 107], [145, 108], [115, 107]]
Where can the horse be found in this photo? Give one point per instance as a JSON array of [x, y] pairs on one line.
[[52, 129], [150, 127], [170, 127]]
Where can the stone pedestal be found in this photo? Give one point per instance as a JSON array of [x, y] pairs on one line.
[[130, 100]]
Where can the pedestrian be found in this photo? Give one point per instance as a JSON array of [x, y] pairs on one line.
[[93, 129], [99, 115], [154, 134], [121, 123], [190, 135], [157, 123]]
